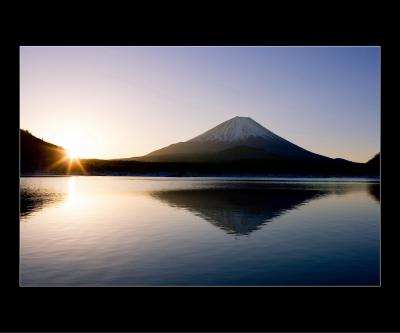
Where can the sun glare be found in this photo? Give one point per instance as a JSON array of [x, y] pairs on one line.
[[72, 154]]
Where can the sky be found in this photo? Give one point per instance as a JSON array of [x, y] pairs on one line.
[[112, 102]]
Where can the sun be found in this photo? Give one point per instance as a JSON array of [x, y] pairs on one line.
[[72, 154]]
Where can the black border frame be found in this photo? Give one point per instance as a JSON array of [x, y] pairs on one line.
[[196, 309]]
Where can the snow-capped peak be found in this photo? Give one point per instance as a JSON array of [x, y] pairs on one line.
[[235, 129]]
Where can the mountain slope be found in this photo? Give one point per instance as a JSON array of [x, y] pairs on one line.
[[256, 142], [373, 165], [37, 154]]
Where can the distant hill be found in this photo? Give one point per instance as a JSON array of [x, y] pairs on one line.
[[373, 165], [39, 155]]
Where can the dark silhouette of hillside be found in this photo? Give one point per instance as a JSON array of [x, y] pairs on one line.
[[224, 168], [37, 154], [373, 165]]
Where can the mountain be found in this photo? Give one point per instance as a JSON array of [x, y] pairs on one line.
[[237, 139], [373, 165], [37, 154], [375, 161]]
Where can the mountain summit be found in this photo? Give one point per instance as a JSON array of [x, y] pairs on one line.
[[235, 129], [237, 139]]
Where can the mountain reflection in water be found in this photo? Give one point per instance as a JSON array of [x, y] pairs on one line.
[[237, 211], [374, 191], [33, 200], [237, 208], [241, 211]]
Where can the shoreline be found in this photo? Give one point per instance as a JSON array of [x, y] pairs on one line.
[[232, 176]]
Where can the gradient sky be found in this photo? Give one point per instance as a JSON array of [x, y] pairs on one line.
[[110, 102]]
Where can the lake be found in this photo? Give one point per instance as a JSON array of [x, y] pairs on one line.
[[156, 231]]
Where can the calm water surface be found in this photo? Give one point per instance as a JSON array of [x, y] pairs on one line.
[[131, 231]]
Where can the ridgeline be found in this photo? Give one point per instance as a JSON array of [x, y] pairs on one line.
[[39, 157]]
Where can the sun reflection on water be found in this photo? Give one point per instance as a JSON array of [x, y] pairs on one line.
[[72, 190]]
